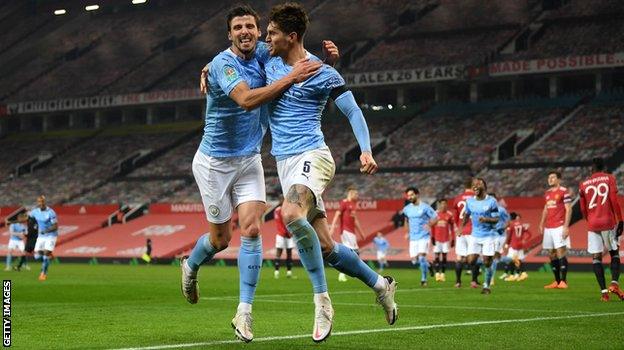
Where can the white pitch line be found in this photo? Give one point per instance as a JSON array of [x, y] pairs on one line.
[[377, 330], [421, 306], [332, 293]]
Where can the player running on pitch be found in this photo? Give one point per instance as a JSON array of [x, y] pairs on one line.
[[420, 218]]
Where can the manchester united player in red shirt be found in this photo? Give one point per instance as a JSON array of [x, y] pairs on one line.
[[283, 241], [517, 236], [554, 226], [442, 238], [349, 224], [463, 235], [600, 207]]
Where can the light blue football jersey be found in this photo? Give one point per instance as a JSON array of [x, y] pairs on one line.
[[503, 219], [295, 117], [45, 219], [418, 216], [381, 244], [18, 231], [487, 207], [230, 131]]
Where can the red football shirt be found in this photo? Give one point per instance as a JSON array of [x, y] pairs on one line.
[[443, 229], [279, 223], [556, 199], [347, 215], [599, 203], [460, 208], [518, 235]]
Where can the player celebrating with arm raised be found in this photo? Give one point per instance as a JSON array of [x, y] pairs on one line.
[[227, 166], [420, 218], [305, 165], [554, 226], [600, 207], [482, 210]]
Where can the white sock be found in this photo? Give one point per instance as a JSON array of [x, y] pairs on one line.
[[320, 298], [380, 285], [243, 308]]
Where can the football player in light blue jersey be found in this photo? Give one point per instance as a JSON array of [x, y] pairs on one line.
[[482, 210], [420, 218], [381, 245], [17, 232], [227, 166], [501, 230], [305, 165], [48, 232]]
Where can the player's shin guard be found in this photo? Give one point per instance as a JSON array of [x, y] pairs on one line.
[[489, 274], [346, 261], [309, 253], [493, 268], [615, 265], [563, 262], [424, 266], [599, 272], [45, 265], [555, 263], [201, 253], [249, 264], [458, 271]]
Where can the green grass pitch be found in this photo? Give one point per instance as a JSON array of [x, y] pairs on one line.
[[121, 306]]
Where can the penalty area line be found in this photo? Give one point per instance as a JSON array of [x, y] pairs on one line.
[[377, 330]]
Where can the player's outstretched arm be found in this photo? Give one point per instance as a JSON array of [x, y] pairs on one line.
[[346, 104], [250, 99]]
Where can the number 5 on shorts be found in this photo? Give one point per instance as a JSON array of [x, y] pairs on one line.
[[306, 166]]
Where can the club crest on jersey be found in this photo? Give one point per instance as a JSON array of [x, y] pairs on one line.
[[230, 73], [214, 211]]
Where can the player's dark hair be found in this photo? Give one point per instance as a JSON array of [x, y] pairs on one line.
[[483, 180], [351, 188], [442, 200], [492, 194], [556, 172], [411, 188], [468, 183], [239, 11], [513, 215], [290, 17], [598, 164]]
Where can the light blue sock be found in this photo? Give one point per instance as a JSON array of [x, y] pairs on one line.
[[488, 277], [309, 249], [249, 263], [424, 268], [494, 265], [45, 264], [346, 261], [202, 253], [9, 259]]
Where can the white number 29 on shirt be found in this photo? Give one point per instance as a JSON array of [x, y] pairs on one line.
[[602, 191]]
